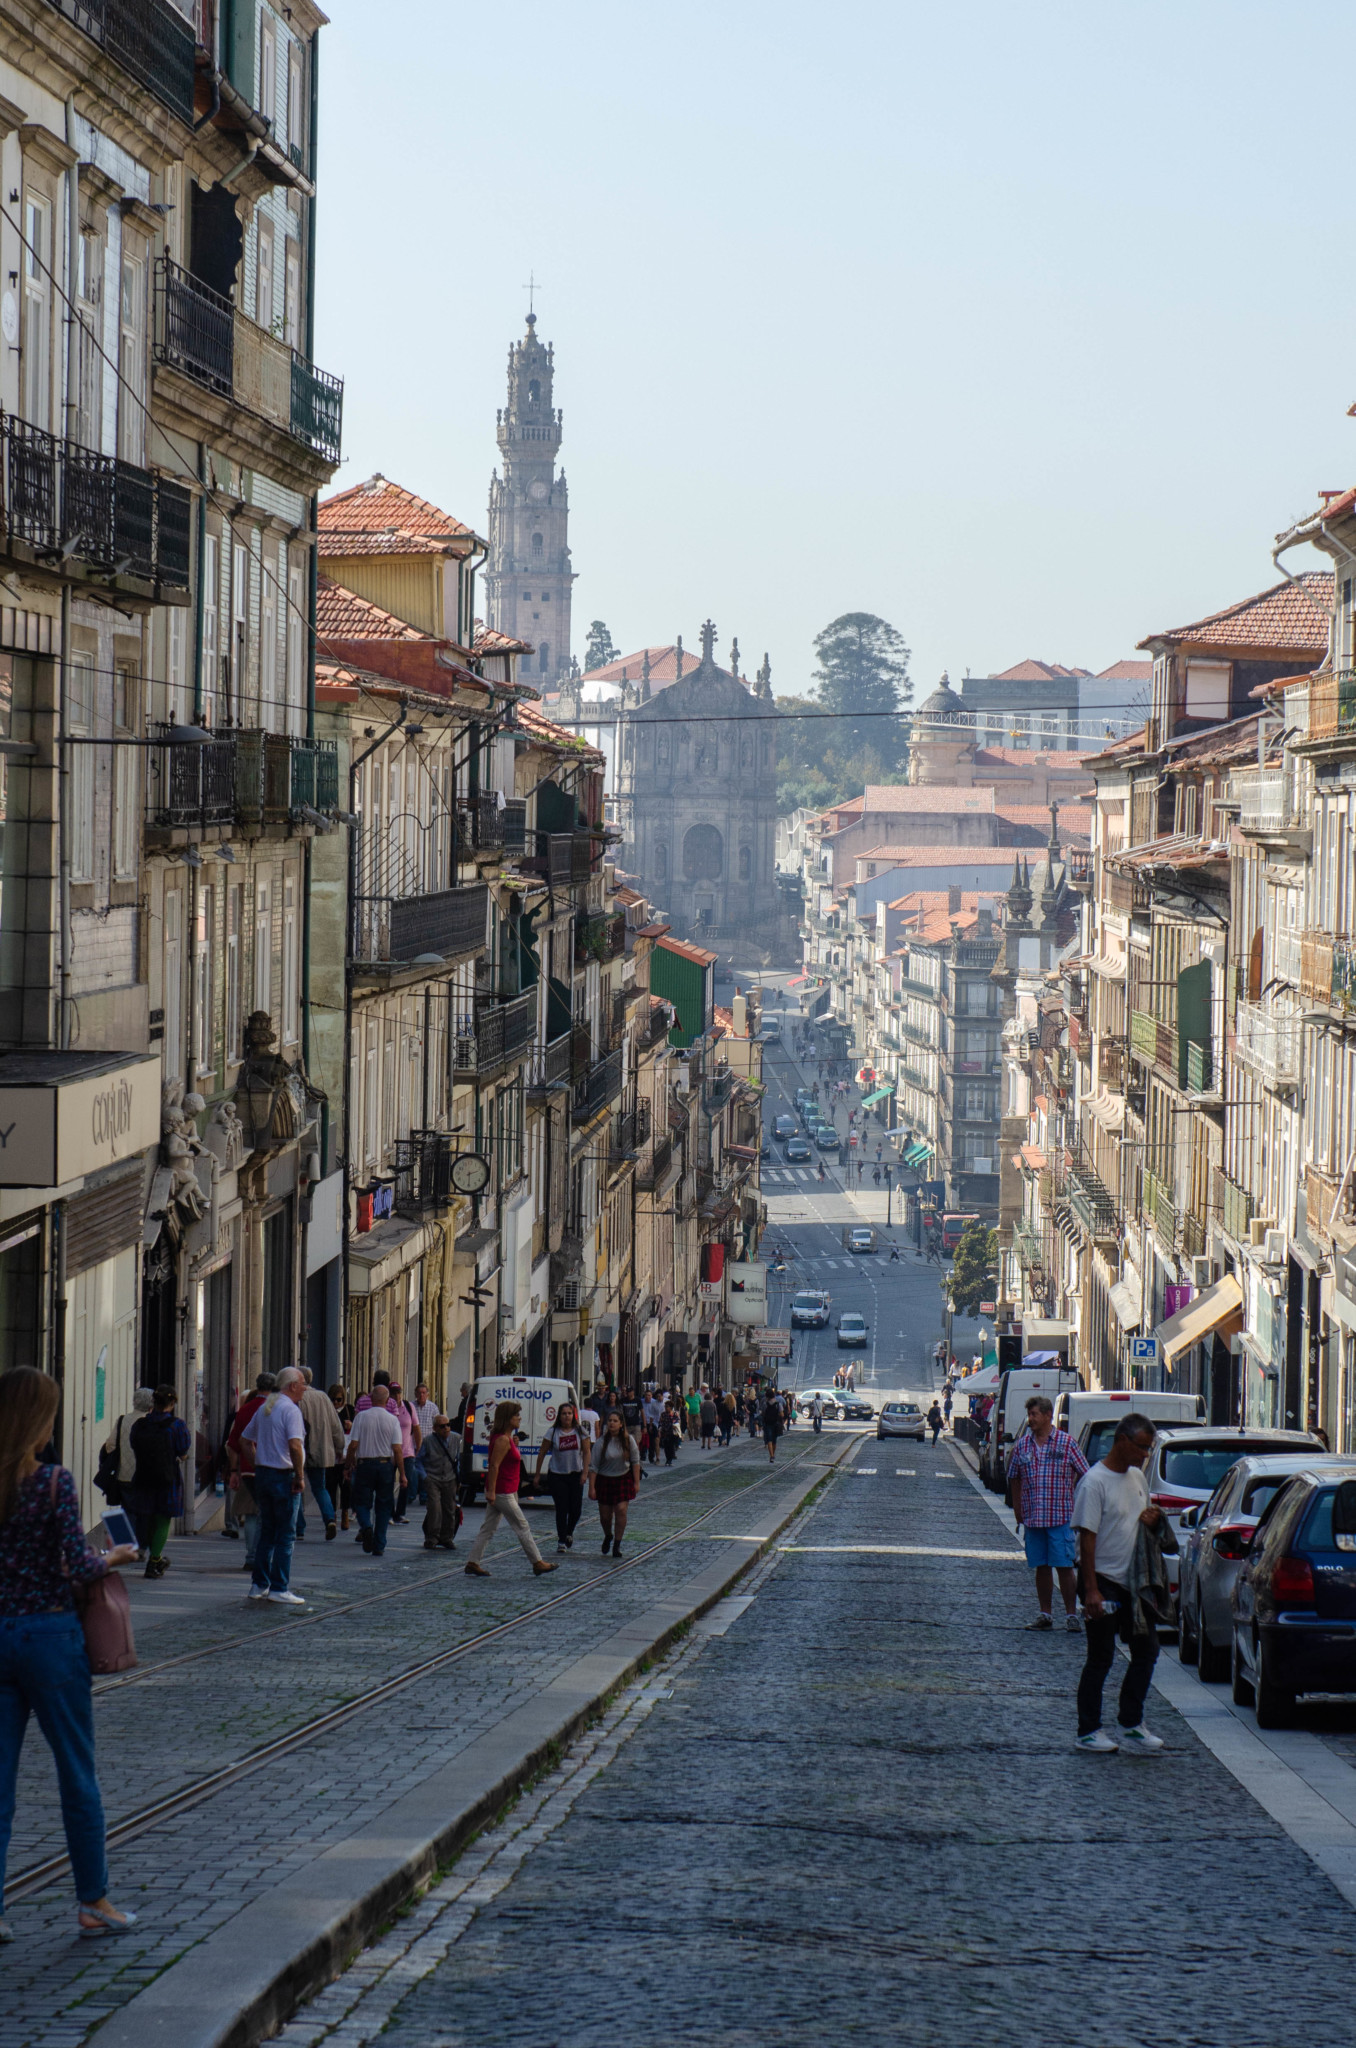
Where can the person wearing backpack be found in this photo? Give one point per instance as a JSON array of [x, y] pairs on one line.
[[160, 1443], [117, 1460]]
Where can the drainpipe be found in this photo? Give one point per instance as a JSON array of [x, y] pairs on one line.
[[72, 277]]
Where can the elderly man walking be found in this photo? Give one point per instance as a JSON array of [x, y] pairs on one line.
[[442, 1514], [1044, 1469], [278, 1434], [375, 1455], [324, 1448]]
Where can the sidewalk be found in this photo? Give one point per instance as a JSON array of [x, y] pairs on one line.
[[288, 1865]]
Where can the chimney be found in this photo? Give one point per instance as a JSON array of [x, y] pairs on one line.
[[953, 900], [984, 924], [740, 1010]]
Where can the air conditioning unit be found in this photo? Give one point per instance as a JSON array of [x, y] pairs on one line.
[[567, 1299], [1204, 1273], [1273, 1248]]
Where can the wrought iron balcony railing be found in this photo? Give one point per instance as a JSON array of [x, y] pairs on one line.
[[499, 1032], [1269, 1041], [598, 1085], [396, 930], [423, 1172], [150, 40], [64, 502], [562, 858], [251, 778], [550, 1063], [191, 785]]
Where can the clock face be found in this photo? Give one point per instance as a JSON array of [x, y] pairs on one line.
[[537, 490], [470, 1173]]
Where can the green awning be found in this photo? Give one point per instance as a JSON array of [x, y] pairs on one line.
[[916, 1154], [880, 1095]]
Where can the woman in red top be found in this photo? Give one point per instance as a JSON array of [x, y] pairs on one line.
[[502, 1478]]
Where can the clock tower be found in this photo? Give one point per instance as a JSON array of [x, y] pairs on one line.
[[528, 576]]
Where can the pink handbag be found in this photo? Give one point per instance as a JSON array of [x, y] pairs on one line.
[[106, 1617]]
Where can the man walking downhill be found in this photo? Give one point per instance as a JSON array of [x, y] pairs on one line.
[[1044, 1469], [375, 1455], [441, 1514], [1111, 1502], [324, 1447], [278, 1435]]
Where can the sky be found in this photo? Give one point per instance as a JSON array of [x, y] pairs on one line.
[[1025, 327]]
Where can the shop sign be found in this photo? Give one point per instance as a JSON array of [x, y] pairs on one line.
[[745, 1292], [773, 1343], [74, 1126]]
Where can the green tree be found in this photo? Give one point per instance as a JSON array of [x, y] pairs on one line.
[[974, 1274], [863, 675], [599, 650]]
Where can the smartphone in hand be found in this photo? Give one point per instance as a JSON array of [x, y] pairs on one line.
[[118, 1526]]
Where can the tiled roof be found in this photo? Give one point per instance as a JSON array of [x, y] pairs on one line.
[[341, 614], [663, 666], [925, 900], [686, 952], [1236, 741], [1032, 671], [381, 507], [489, 640], [1075, 820], [925, 797], [940, 856], [1290, 617], [1014, 757], [933, 925], [1126, 672], [541, 728]]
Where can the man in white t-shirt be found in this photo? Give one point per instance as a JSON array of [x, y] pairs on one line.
[[278, 1434], [374, 1458], [1110, 1503]]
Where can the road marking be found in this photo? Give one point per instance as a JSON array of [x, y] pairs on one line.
[[865, 1469], [900, 1550], [906, 1472]]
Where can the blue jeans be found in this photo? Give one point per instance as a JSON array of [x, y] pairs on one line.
[[374, 1498], [277, 1526], [44, 1671], [316, 1476]]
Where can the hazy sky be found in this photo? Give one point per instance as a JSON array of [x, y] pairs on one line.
[[1024, 326]]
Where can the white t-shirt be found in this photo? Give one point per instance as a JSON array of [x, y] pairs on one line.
[[589, 1422], [272, 1431], [376, 1432], [424, 1415], [1110, 1504]]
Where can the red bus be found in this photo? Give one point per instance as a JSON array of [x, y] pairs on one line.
[[953, 1229]]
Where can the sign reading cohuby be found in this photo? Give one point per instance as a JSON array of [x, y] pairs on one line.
[[60, 1130]]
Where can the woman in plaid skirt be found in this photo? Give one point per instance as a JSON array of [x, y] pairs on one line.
[[614, 1479]]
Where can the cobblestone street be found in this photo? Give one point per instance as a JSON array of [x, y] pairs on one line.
[[856, 1814]]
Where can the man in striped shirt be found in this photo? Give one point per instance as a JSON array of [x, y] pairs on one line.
[[1044, 1468]]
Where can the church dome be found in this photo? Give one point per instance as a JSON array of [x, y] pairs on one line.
[[943, 703]]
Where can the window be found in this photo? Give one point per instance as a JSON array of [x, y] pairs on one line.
[[268, 65], [204, 991], [210, 647], [234, 897], [297, 122], [126, 778], [295, 631], [268, 650], [544, 658], [80, 777], [537, 543], [174, 988], [90, 368], [292, 333], [177, 664], [263, 277], [37, 338], [290, 1002], [132, 360], [263, 949], [240, 611], [371, 1105]]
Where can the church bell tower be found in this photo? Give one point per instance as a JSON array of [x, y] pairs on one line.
[[528, 577]]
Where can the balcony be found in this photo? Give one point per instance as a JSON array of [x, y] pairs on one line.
[[423, 1173], [564, 859], [68, 508], [1269, 1042], [1332, 705], [550, 1064], [149, 40], [1161, 1210], [499, 1032], [599, 938], [1200, 1068], [250, 779], [1124, 895], [1287, 956], [596, 1086], [1152, 1039], [1235, 1205], [1263, 798], [1324, 1214], [191, 785], [1080, 867], [394, 931], [204, 336], [654, 1168]]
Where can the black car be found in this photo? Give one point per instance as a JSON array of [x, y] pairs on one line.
[[1294, 1601], [854, 1408]]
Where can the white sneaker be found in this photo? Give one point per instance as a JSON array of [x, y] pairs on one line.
[[257, 1593], [1099, 1743], [287, 1599], [1138, 1741]]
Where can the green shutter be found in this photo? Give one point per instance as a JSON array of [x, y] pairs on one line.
[[1193, 1014]]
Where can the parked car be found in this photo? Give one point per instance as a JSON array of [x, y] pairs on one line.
[[1215, 1540], [1293, 1611], [1074, 1411], [785, 1127], [861, 1240], [1186, 1465], [851, 1329], [901, 1418], [829, 1396], [855, 1408], [810, 1311], [826, 1137], [797, 1151]]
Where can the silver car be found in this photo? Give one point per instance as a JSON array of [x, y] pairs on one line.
[[1215, 1539], [901, 1418], [1186, 1465]]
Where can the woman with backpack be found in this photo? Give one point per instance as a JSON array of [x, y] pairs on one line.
[[614, 1480], [117, 1461], [44, 1667], [772, 1423], [160, 1443]]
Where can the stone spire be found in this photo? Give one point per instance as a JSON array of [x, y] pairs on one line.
[[645, 677], [763, 685], [708, 644], [1019, 898], [679, 657]]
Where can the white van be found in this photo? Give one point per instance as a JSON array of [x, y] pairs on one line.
[[540, 1401], [1008, 1413], [1091, 1419]]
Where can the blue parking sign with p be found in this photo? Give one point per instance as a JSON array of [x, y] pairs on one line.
[[1144, 1350]]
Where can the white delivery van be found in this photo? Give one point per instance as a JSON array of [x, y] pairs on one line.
[[1008, 1413], [540, 1402], [1091, 1419]]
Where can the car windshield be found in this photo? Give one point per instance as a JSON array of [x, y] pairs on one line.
[[852, 1323], [1200, 1467], [806, 1301]]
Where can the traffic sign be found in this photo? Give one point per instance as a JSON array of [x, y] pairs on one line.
[[1144, 1350], [773, 1343]]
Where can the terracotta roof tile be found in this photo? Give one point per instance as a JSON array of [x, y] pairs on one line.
[[379, 507], [1291, 616], [1126, 672], [663, 666], [489, 640], [1015, 757], [924, 796], [541, 728], [342, 615], [941, 856], [1032, 671], [686, 952]]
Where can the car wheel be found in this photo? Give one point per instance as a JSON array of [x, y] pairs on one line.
[[1212, 1659], [1240, 1687], [1275, 1705], [1188, 1641]]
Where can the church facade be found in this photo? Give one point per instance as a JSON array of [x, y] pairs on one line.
[[697, 799], [528, 578]]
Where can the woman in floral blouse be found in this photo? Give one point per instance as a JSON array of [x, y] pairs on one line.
[[43, 1666]]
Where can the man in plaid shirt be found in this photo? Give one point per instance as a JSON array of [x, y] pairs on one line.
[[1044, 1467]]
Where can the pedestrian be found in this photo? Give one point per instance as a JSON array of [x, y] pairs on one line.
[[567, 1447], [894, 1252], [503, 1475], [119, 1444], [160, 1443], [44, 1669], [279, 1437], [751, 1413], [442, 1510], [240, 1461], [459, 1419], [324, 1450], [1110, 1506], [693, 1404], [409, 1444], [1044, 1468], [425, 1414], [654, 1416], [817, 1414], [772, 1424], [947, 1404], [668, 1434], [614, 1481], [376, 1453], [727, 1420], [336, 1479], [708, 1420], [935, 1421]]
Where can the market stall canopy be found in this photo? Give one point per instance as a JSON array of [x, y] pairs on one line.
[[1215, 1308]]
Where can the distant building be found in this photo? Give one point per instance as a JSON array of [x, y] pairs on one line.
[[528, 578], [1039, 689]]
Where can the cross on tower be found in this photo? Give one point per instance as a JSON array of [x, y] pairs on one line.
[[531, 289]]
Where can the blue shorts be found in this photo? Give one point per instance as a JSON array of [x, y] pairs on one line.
[[1051, 1546]]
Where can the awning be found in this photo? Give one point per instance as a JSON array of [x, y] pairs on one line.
[[916, 1154], [879, 1095], [741, 1151], [1125, 1304], [1215, 1308]]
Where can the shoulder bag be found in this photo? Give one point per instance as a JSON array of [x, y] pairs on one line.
[[106, 1476], [105, 1617]]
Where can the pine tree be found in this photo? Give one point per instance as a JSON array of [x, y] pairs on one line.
[[863, 675], [974, 1274], [599, 651]]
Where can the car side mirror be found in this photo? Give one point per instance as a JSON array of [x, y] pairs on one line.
[[1189, 1519]]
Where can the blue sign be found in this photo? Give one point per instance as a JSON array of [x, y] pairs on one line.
[[1144, 1350]]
